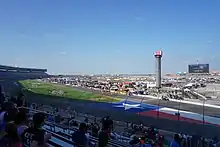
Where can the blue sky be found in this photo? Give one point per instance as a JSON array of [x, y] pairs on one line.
[[109, 36]]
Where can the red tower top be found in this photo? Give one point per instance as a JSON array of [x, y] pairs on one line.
[[158, 54]]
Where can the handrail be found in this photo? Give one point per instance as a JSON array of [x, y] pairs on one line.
[[60, 137], [54, 144], [94, 139], [70, 123], [34, 110]]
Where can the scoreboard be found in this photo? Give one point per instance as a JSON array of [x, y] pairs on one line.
[[198, 68]]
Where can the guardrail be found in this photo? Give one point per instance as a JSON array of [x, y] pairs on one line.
[[52, 126]]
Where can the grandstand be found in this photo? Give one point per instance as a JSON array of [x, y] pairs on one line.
[[10, 72]]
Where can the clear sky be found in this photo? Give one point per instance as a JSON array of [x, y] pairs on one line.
[[109, 36]]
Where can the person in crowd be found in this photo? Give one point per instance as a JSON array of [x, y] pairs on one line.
[[3, 113], [50, 117], [105, 133], [20, 100], [11, 138], [7, 114], [2, 96], [134, 141], [74, 113], [35, 134], [175, 141], [95, 129], [20, 121], [107, 122], [79, 137]]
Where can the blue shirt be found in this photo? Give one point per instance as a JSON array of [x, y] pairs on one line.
[[174, 144], [80, 138]]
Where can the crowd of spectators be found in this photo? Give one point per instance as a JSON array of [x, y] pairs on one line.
[[19, 128], [141, 135]]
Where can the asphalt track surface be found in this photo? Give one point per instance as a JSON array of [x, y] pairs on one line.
[[88, 107], [181, 106]]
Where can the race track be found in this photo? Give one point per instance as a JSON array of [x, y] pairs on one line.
[[121, 114], [181, 106]]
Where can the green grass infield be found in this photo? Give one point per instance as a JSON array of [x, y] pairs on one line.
[[39, 87]]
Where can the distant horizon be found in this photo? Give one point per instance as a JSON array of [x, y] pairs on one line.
[[153, 73], [76, 37]]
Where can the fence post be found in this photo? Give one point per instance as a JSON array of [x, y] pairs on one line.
[[203, 112], [112, 98], [179, 110], [158, 104], [140, 106], [126, 99]]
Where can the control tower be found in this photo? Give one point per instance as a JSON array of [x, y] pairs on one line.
[[158, 56]]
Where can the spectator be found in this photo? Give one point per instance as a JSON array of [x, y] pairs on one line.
[[107, 122], [35, 134], [11, 138], [79, 137], [104, 135], [2, 96], [20, 121], [3, 114], [74, 113], [175, 142], [11, 114], [95, 129], [51, 118], [7, 114], [134, 142], [19, 100]]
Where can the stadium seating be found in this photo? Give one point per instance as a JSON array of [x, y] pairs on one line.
[[61, 135], [59, 130]]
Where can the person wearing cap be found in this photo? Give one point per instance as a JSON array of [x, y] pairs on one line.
[[35, 133]]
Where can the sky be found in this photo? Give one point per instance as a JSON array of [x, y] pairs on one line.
[[109, 36]]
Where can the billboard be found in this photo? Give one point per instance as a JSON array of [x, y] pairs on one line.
[[198, 68]]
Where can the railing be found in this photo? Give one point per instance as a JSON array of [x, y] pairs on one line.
[[52, 126], [92, 139], [60, 138], [121, 138]]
